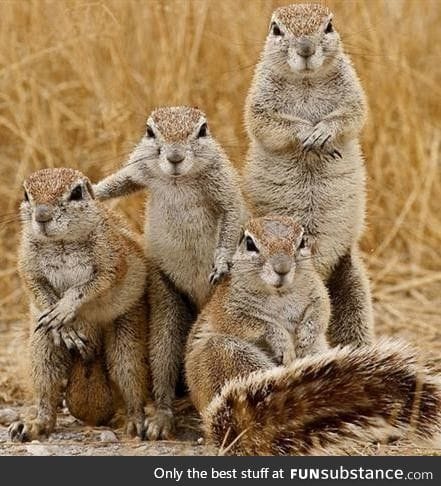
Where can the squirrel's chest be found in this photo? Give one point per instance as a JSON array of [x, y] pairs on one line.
[[182, 215], [290, 311], [66, 266], [308, 102], [280, 310], [189, 203]]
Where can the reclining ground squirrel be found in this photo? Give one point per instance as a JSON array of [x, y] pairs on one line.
[[192, 225], [86, 277], [304, 112], [273, 309]]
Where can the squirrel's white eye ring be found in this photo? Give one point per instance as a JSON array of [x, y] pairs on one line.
[[275, 29], [329, 28], [150, 132], [250, 245], [76, 194]]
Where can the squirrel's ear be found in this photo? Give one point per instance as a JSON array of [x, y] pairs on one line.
[[305, 248], [300, 240], [90, 189]]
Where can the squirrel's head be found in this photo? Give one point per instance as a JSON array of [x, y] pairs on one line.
[[301, 40], [269, 251], [58, 204], [178, 142]]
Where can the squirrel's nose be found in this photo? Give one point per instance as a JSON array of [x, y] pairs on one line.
[[305, 48], [281, 264], [175, 157], [43, 213]]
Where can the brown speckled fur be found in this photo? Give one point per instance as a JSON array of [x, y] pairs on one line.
[[57, 180], [176, 123], [302, 18]]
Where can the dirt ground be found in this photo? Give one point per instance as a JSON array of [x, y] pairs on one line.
[[73, 438]]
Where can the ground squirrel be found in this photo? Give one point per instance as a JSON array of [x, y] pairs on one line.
[[273, 302], [192, 225], [260, 316], [303, 114], [86, 277]]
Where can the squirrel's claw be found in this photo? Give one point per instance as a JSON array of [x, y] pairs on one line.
[[21, 431], [57, 315], [219, 270], [15, 432], [159, 426], [317, 138], [136, 427]]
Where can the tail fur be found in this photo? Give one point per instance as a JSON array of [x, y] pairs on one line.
[[322, 404]]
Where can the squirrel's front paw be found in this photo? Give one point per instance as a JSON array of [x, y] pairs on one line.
[[73, 340], [220, 269], [289, 355], [56, 316], [25, 431], [320, 139], [284, 356], [160, 425]]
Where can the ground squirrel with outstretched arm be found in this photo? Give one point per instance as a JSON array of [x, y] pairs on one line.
[[304, 113], [86, 277], [273, 310], [192, 225]]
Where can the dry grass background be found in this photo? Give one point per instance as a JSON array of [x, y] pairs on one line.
[[78, 78]]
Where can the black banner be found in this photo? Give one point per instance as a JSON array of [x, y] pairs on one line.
[[122, 471]]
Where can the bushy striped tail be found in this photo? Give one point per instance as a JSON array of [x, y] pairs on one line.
[[326, 403]]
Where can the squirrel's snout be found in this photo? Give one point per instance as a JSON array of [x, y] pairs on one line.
[[175, 156], [305, 47], [43, 213], [281, 265]]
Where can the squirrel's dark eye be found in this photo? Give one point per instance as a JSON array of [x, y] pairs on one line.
[[26, 196], [76, 194], [275, 29], [202, 131], [329, 28], [250, 245], [302, 243], [150, 132]]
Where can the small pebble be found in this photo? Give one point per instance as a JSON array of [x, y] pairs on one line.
[[7, 416], [200, 441], [108, 436]]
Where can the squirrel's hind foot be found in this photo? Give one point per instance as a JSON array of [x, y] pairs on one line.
[[28, 430], [160, 426]]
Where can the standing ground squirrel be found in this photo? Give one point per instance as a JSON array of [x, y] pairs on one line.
[[192, 225], [271, 309], [86, 277], [304, 113]]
